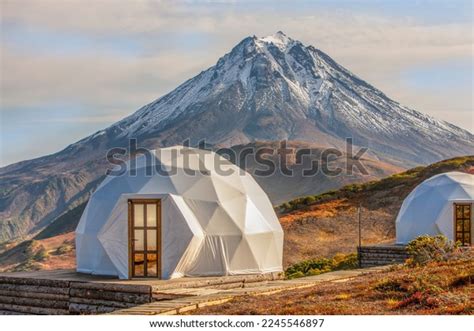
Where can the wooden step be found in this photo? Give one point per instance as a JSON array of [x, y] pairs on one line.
[[50, 296]]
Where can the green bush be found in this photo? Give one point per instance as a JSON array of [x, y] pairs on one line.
[[309, 200], [41, 254], [63, 249], [296, 274], [346, 261], [314, 267], [424, 249]]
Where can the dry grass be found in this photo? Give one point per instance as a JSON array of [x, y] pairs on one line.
[[45, 254], [436, 288], [328, 224]]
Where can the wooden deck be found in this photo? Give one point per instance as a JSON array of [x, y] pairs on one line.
[[68, 292], [155, 284]]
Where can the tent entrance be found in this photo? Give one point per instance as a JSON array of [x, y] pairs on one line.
[[144, 236], [462, 223]]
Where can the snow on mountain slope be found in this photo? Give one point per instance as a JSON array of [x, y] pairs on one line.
[[284, 81]]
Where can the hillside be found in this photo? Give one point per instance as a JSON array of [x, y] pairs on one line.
[[45, 254], [315, 226], [280, 187], [266, 88], [326, 224]]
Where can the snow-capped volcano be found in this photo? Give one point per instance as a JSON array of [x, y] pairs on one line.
[[276, 88], [269, 88]]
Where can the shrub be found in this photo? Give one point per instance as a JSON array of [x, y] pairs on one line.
[[309, 200], [343, 296], [389, 285], [392, 303], [28, 265], [296, 274], [315, 267], [346, 261], [30, 249], [63, 249], [41, 254], [286, 207], [353, 188], [426, 248]]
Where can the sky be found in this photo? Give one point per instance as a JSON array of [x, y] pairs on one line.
[[71, 68]]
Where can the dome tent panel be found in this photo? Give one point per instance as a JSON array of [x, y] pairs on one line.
[[249, 263], [255, 222], [114, 237], [177, 235], [222, 224], [158, 184], [188, 215], [202, 189], [213, 258], [236, 209], [225, 191], [202, 210], [261, 244]]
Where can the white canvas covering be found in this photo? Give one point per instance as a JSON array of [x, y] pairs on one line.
[[428, 209], [213, 223]]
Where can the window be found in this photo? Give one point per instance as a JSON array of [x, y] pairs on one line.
[[462, 223]]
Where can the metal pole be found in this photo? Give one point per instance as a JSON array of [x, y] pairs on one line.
[[360, 235]]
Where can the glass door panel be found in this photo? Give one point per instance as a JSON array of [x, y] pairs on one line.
[[151, 215], [145, 238], [138, 216]]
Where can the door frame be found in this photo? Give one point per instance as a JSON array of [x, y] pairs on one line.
[[455, 204], [131, 242]]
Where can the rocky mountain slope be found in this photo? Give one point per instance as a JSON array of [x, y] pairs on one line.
[[269, 88]]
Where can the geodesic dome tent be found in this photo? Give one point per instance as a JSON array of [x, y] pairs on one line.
[[441, 204], [189, 213]]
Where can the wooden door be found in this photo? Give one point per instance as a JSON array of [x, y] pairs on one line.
[[144, 238], [462, 223]]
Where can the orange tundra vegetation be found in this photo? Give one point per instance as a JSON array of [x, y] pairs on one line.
[[443, 287]]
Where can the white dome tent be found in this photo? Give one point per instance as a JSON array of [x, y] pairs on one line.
[[441, 204], [173, 223]]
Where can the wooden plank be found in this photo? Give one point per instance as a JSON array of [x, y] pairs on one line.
[[35, 295], [213, 303], [110, 296], [33, 310], [79, 308], [33, 281], [105, 303], [33, 302], [113, 287], [33, 288]]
